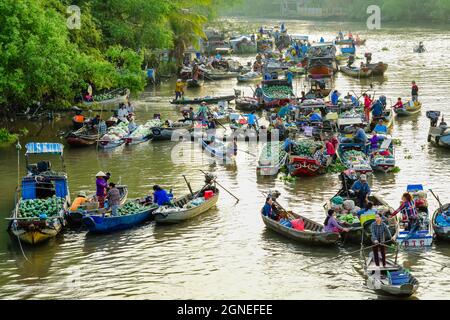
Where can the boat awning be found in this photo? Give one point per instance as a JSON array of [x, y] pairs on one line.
[[44, 148], [414, 188], [349, 121], [299, 37]]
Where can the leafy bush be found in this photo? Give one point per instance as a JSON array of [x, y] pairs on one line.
[[7, 138]]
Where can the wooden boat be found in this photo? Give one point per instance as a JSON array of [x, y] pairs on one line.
[[183, 208], [218, 150], [208, 100], [409, 109], [142, 134], [221, 75], [107, 224], [380, 160], [378, 69], [313, 233], [272, 159], [303, 164], [356, 72], [165, 132], [74, 218], [117, 97], [441, 231], [191, 83], [250, 77], [248, 104], [392, 279], [438, 135], [43, 197], [275, 90], [83, 137], [353, 157]]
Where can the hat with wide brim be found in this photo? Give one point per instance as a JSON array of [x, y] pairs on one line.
[[100, 174], [82, 194], [363, 177]]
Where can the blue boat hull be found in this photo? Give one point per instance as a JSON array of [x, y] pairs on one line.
[[100, 224]]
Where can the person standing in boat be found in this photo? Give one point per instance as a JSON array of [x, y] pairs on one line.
[[258, 94], [252, 120], [414, 92], [367, 106], [113, 197], [101, 186], [122, 114], [362, 191], [409, 212], [380, 232], [331, 151], [335, 97], [179, 89], [331, 224]]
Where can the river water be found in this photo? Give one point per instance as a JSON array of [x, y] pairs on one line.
[[228, 253]]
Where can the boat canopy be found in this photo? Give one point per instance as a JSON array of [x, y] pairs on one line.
[[414, 188], [299, 37], [44, 148]]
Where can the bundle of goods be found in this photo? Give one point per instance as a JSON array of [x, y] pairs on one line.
[[306, 148], [278, 92], [103, 97], [354, 158], [194, 203], [153, 123], [116, 133], [38, 208]]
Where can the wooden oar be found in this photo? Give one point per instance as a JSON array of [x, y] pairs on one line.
[[441, 207], [288, 213], [189, 185]]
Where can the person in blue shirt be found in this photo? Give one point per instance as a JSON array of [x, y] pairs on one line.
[[211, 123], [360, 135], [380, 127], [304, 49], [160, 196], [252, 120], [288, 145], [335, 97], [268, 211], [284, 111], [362, 191], [377, 109], [289, 77], [315, 116], [267, 76], [322, 40]]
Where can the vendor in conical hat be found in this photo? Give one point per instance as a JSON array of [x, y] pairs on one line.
[[101, 185]]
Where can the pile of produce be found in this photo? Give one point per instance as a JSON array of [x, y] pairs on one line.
[[306, 148], [32, 208], [349, 218], [103, 97], [336, 167], [130, 208], [354, 158], [278, 92], [154, 123], [272, 153], [116, 132]]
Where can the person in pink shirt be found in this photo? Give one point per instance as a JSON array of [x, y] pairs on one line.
[[367, 106], [331, 151]]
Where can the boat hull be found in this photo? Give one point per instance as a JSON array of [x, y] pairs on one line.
[[356, 72], [180, 216], [441, 232], [303, 166]]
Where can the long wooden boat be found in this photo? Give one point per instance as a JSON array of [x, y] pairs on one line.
[[191, 83], [313, 233], [438, 134], [272, 159], [221, 75], [356, 72], [363, 231], [208, 100], [250, 77], [82, 137], [217, 149], [75, 218], [442, 232], [392, 279], [409, 109], [106, 224], [276, 90], [183, 210], [165, 133], [380, 160], [43, 197], [378, 69], [248, 104], [353, 158]]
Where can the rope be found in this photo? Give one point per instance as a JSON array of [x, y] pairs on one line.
[[21, 249]]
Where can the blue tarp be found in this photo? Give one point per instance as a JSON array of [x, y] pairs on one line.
[[28, 189], [44, 148], [61, 188], [414, 188]]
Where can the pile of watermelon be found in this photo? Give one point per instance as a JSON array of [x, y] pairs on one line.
[[130, 208], [306, 148], [32, 208], [278, 92]]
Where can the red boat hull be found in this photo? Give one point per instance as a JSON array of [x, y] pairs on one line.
[[301, 166]]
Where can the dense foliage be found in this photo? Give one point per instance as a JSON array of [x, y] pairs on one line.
[[43, 60], [392, 10]]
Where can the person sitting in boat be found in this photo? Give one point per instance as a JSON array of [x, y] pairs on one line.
[[268, 209], [331, 151], [88, 97], [322, 40], [380, 127], [409, 212], [211, 123], [380, 232], [160, 196], [113, 197], [79, 200], [289, 145], [331, 224], [252, 120], [101, 186], [399, 104], [360, 135], [350, 61], [335, 97], [319, 155], [131, 124], [374, 140], [443, 219], [367, 210], [361, 190], [315, 116], [78, 119], [95, 121]]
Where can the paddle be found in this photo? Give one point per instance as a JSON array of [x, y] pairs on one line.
[[221, 186], [418, 254], [189, 185], [441, 207]]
